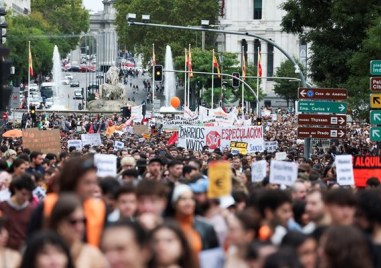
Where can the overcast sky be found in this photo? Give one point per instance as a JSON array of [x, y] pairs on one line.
[[94, 5]]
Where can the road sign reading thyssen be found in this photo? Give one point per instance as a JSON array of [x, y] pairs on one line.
[[322, 119]]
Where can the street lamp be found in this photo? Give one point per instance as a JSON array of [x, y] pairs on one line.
[[146, 18], [131, 17]]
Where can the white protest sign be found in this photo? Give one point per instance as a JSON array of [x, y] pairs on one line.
[[75, 143], [344, 170], [192, 137], [118, 145], [271, 146], [106, 164], [91, 139], [282, 172], [258, 170], [280, 156]]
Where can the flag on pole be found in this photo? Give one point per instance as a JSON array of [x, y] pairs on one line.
[[186, 59], [190, 63], [153, 56], [259, 67], [216, 65], [30, 63], [243, 67]]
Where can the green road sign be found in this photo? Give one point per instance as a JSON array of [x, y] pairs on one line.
[[325, 107], [375, 67], [375, 117], [375, 134]]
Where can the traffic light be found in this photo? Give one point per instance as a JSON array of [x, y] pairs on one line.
[[259, 121], [5, 117], [235, 81], [33, 114], [158, 73], [5, 71]]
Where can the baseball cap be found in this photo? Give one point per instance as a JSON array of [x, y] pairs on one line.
[[200, 186]]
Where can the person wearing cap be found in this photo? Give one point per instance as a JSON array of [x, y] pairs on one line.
[[200, 234], [155, 168]]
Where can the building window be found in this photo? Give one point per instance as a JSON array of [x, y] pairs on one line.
[[257, 9], [270, 60], [257, 47]]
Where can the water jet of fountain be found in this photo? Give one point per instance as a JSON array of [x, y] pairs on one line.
[[170, 79], [58, 96]]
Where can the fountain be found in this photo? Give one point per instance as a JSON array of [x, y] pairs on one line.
[[58, 96], [170, 79]]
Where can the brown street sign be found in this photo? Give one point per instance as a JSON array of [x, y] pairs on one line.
[[322, 93], [375, 84], [321, 133], [320, 119]]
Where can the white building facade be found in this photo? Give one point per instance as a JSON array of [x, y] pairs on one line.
[[263, 18], [19, 7]]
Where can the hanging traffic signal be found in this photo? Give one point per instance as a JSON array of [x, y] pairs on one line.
[[158, 73], [259, 121], [235, 81], [33, 114]]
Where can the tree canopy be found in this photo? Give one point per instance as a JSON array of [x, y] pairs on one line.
[[175, 12], [343, 36]]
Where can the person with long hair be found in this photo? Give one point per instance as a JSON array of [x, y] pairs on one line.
[[69, 221], [46, 249], [170, 248], [343, 246], [18, 167]]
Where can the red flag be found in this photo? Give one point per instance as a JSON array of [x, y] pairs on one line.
[[186, 58], [30, 63], [216, 65], [190, 63], [91, 129], [259, 67], [173, 139]]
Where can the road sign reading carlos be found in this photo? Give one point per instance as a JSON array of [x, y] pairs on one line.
[[375, 134], [322, 107], [322, 119], [323, 93], [321, 133], [375, 100]]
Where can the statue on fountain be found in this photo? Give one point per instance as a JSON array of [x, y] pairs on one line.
[[112, 90]]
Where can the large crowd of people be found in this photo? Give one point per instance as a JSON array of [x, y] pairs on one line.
[[156, 212]]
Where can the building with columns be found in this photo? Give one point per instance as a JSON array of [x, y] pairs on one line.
[[19, 7], [103, 28], [263, 18]]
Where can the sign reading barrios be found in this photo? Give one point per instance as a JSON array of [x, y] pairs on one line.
[[44, 141]]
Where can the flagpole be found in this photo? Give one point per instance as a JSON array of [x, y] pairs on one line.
[[29, 56], [189, 78], [185, 79], [153, 78], [212, 106], [258, 61], [243, 78]]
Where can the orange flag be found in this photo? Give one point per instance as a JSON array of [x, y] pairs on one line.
[[216, 65]]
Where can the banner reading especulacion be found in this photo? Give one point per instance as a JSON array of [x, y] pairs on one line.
[[196, 137]]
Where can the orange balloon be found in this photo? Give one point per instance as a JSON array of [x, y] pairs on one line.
[[175, 102]]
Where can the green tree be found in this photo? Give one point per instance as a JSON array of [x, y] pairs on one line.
[[336, 30], [69, 17], [20, 29], [176, 12], [202, 62], [285, 88]]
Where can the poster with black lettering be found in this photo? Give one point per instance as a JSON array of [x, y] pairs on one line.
[[282, 172], [344, 170], [192, 137]]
